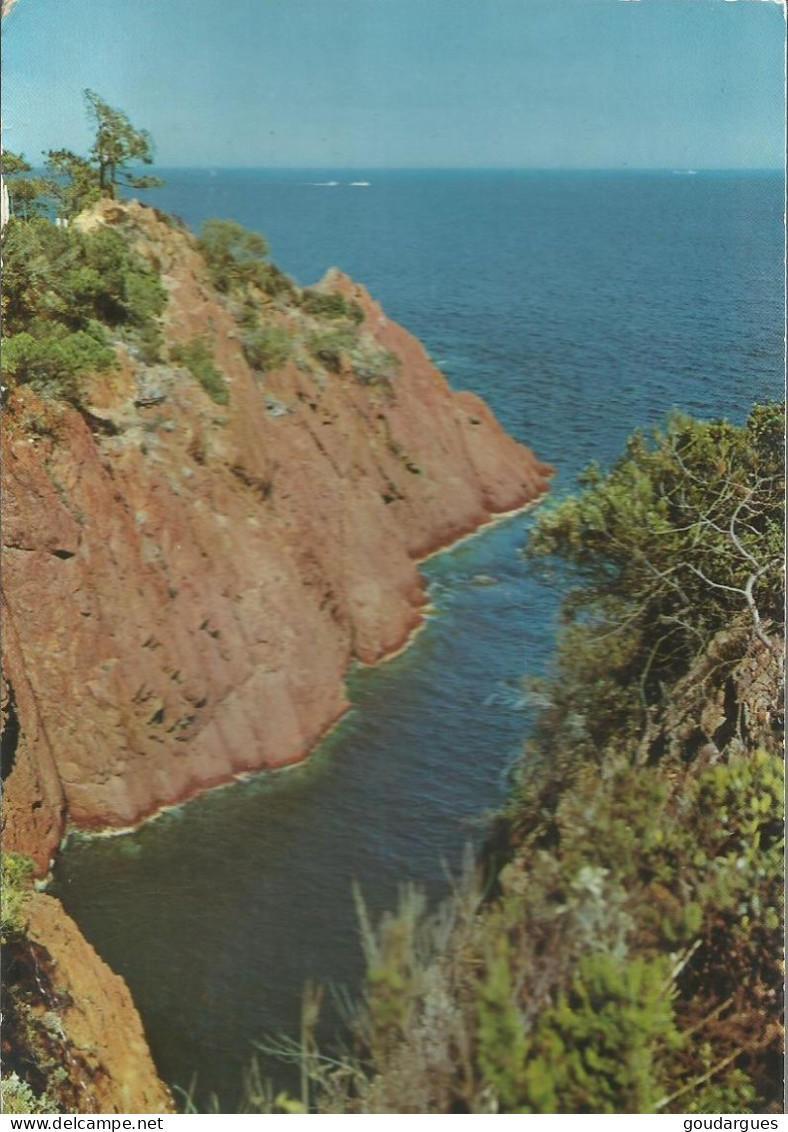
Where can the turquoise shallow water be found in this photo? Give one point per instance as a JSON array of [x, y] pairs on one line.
[[580, 306]]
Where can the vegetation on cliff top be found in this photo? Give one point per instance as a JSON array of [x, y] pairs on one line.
[[73, 183], [77, 182], [67, 297], [625, 956], [71, 297]]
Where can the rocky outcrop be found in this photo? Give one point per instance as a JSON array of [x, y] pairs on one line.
[[186, 583], [77, 1019], [707, 713]]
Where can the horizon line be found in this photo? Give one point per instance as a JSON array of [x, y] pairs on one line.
[[476, 168]]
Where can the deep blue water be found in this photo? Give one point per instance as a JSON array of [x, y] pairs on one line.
[[580, 306]]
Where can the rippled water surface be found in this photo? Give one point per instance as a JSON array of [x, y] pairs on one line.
[[580, 306]]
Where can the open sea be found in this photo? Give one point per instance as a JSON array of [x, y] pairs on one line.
[[580, 306]]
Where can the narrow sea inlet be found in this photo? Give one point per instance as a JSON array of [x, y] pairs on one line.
[[218, 913], [580, 307]]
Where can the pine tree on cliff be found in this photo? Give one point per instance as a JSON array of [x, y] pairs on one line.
[[116, 146]]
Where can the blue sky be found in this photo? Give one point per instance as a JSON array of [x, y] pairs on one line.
[[408, 83]]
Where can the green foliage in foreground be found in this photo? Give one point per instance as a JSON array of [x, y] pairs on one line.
[[629, 958], [591, 1051], [66, 296], [683, 536], [17, 1098]]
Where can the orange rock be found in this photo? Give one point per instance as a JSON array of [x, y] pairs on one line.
[[99, 1022]]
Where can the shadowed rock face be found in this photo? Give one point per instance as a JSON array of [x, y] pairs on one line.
[[185, 583]]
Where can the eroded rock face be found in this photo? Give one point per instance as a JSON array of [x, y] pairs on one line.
[[739, 712], [96, 1030], [185, 583]]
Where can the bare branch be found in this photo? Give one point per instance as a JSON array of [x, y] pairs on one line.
[[715, 585]]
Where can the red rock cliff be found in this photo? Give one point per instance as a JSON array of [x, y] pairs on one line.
[[185, 584]]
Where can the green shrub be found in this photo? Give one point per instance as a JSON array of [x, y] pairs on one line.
[[501, 1028], [602, 1048], [659, 551], [267, 347], [238, 259], [65, 290], [342, 346], [734, 859], [197, 356], [331, 347], [278, 285], [16, 884], [148, 343], [144, 297], [331, 306], [18, 1098], [74, 277], [394, 970], [54, 363], [233, 254]]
